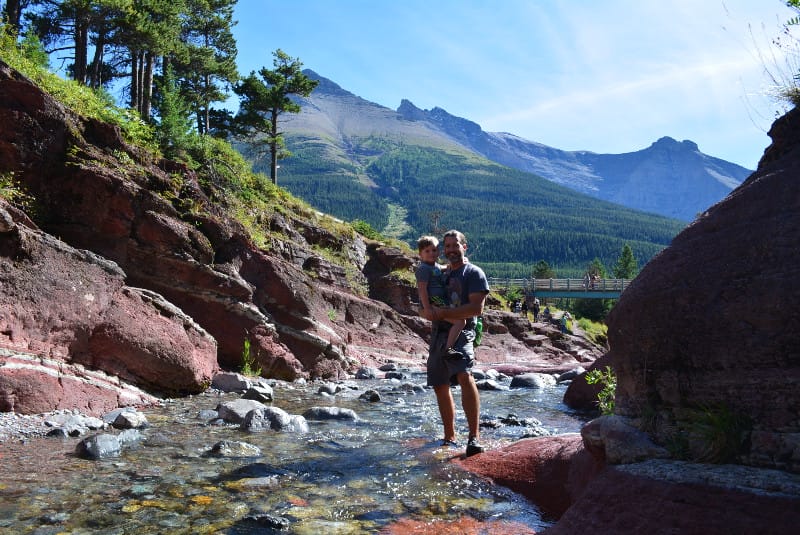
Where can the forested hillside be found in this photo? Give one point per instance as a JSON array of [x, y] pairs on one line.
[[512, 219]]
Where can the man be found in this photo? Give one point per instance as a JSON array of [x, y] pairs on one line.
[[467, 287]]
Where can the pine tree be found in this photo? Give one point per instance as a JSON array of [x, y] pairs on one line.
[[267, 97], [209, 62], [626, 266]]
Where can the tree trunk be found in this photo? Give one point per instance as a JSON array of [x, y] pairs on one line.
[[13, 14], [135, 83], [96, 76], [273, 147], [81, 47], [147, 86]]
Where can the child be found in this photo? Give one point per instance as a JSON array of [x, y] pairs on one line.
[[432, 290]]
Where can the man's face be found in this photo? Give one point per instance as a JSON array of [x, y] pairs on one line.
[[453, 250]]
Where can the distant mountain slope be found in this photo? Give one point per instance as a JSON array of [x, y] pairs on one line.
[[668, 178], [358, 160]]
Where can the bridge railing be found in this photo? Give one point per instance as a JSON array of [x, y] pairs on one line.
[[562, 285]]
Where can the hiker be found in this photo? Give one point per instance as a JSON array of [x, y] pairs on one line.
[[431, 289], [467, 288]]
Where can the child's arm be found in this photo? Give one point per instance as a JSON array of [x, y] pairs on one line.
[[424, 298]]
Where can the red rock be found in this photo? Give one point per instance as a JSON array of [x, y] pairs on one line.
[[616, 502], [549, 471]]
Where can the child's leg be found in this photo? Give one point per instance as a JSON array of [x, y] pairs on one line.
[[455, 330]]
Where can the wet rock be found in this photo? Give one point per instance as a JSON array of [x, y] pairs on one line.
[[551, 471], [235, 411], [570, 375], [260, 392], [488, 384], [106, 445], [72, 425], [400, 376], [532, 380], [330, 389], [231, 382], [370, 395], [267, 521], [367, 373], [330, 413], [388, 367], [234, 448], [275, 419], [130, 420]]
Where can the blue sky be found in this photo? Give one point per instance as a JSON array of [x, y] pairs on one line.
[[608, 77]]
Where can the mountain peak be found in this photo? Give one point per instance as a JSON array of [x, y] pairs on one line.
[[667, 142], [326, 86]]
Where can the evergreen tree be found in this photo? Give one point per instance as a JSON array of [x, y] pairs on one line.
[[175, 129], [542, 270], [265, 98], [209, 62], [626, 267]]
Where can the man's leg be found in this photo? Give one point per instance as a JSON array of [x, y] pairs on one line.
[[471, 402], [447, 410]]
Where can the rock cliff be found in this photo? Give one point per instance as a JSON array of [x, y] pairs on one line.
[[154, 284], [704, 343], [705, 340]]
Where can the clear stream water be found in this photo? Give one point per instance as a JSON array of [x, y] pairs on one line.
[[341, 477]]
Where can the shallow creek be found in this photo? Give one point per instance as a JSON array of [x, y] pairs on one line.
[[341, 477]]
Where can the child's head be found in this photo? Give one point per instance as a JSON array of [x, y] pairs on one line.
[[428, 248]]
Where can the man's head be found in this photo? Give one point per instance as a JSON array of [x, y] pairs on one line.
[[455, 245]]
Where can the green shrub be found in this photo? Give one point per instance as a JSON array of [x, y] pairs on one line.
[[248, 361], [607, 379]]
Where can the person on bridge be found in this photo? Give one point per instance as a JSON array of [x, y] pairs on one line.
[[467, 287], [431, 288]]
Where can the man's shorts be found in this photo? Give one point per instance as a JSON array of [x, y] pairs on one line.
[[443, 371]]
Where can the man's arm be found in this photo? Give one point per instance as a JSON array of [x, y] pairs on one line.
[[465, 311]]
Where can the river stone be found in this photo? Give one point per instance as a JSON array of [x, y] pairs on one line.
[[230, 382], [236, 410], [532, 380], [488, 384], [571, 374], [330, 389], [366, 372], [396, 375], [260, 392], [273, 418], [105, 445], [234, 448], [371, 396], [330, 413], [72, 425], [131, 420], [388, 367]]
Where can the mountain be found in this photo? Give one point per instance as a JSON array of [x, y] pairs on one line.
[[358, 160], [670, 178]]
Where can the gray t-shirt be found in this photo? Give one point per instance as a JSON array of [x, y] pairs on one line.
[[431, 274], [468, 279]]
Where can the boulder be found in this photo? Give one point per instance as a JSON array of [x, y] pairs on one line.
[[712, 323], [550, 471]]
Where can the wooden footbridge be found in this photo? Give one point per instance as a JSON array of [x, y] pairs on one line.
[[569, 288]]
